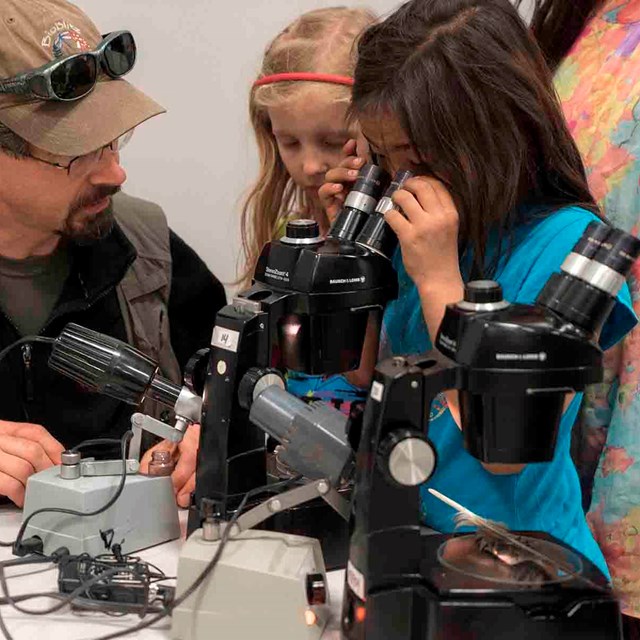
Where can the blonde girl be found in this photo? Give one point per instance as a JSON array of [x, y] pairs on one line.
[[298, 109]]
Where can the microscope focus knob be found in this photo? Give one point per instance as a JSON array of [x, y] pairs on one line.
[[482, 292], [302, 232], [254, 382], [407, 457], [482, 296], [195, 372]]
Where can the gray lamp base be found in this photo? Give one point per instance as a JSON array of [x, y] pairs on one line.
[[144, 515]]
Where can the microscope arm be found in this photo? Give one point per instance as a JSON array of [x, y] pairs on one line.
[[187, 408], [283, 501]]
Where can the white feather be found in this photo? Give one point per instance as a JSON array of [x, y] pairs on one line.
[[489, 528]]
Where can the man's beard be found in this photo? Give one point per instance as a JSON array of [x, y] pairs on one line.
[[86, 229]]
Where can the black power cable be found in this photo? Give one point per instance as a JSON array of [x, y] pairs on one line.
[[85, 444], [208, 570]]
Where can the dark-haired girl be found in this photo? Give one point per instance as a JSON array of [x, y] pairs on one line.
[[459, 92]]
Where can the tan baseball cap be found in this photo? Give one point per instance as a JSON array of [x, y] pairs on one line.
[[34, 32]]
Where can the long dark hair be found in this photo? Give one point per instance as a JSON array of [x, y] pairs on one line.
[[557, 24], [471, 89]]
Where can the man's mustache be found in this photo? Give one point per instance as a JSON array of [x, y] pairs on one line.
[[98, 194]]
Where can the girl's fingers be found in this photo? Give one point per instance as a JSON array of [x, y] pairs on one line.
[[443, 195], [340, 175], [409, 205], [400, 225], [349, 148], [424, 194]]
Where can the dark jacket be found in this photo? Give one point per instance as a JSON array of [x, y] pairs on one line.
[[31, 392]]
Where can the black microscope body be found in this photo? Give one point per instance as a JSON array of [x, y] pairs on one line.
[[512, 366], [307, 311]]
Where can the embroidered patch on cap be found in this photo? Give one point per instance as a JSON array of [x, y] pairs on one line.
[[64, 35]]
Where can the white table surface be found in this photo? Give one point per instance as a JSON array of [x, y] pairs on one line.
[[69, 625]]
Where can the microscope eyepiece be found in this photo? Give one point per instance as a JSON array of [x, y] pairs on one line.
[[360, 202], [619, 253], [591, 277], [371, 181], [377, 235]]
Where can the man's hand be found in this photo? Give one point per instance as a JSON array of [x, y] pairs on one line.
[[24, 450], [185, 456]]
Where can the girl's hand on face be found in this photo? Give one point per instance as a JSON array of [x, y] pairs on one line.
[[428, 235], [339, 180]]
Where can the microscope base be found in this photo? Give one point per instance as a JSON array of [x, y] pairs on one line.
[[143, 516], [447, 603], [257, 590]]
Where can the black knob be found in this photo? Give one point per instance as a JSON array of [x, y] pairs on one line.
[[302, 229], [256, 380], [195, 373], [482, 292]]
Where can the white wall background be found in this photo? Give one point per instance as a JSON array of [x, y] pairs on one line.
[[198, 59]]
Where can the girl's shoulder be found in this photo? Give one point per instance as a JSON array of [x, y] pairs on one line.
[[558, 228], [539, 246]]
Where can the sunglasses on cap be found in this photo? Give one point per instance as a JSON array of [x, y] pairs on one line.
[[75, 76]]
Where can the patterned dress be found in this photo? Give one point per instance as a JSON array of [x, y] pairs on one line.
[[599, 86]]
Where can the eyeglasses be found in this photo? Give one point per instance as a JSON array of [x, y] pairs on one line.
[[75, 76], [83, 164]]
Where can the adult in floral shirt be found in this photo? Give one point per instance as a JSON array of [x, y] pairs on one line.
[[594, 46]]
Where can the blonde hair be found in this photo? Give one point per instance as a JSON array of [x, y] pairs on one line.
[[320, 41]]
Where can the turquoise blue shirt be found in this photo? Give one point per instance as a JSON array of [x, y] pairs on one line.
[[545, 496], [335, 390]]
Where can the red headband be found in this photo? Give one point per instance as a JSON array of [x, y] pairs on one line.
[[304, 76]]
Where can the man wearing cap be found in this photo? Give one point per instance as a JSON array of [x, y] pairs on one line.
[[73, 249]]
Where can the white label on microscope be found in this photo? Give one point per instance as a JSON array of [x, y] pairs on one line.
[[225, 339], [377, 390], [276, 274], [361, 279], [447, 342], [522, 357], [355, 580]]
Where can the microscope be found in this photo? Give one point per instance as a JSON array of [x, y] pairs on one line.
[[307, 311], [512, 366]]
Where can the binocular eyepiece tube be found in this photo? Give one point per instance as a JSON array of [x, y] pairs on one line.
[[591, 277], [359, 204], [377, 235]]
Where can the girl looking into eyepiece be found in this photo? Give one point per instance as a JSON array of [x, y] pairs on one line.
[[458, 92]]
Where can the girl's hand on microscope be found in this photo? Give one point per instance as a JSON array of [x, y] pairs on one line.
[[427, 225], [184, 455], [25, 449], [339, 180]]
